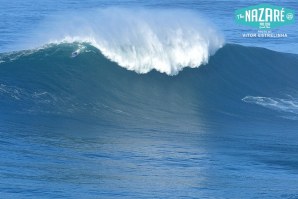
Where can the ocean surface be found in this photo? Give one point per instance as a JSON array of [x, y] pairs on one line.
[[145, 99]]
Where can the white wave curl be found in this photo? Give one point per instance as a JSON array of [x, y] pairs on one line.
[[139, 39]]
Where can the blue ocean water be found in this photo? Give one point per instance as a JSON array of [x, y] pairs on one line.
[[145, 99]]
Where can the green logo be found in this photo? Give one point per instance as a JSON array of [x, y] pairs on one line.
[[265, 16]]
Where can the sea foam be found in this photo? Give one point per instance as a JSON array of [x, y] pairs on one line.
[[285, 105], [138, 39]]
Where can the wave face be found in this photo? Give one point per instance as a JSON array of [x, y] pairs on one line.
[[138, 39], [53, 82]]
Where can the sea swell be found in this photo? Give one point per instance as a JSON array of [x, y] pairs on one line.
[[51, 82]]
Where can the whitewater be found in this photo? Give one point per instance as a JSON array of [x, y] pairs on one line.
[[137, 39]]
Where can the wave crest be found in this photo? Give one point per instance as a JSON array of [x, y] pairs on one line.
[[139, 39]]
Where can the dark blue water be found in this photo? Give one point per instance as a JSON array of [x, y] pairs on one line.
[[75, 123]]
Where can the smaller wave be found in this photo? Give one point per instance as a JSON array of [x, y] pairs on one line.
[[278, 104], [20, 94], [15, 55], [40, 101]]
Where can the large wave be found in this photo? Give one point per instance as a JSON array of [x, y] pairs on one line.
[[51, 82], [137, 39]]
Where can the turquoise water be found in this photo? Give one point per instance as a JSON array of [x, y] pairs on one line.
[[139, 102]]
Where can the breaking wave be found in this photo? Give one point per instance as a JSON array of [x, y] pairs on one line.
[[75, 80], [137, 39]]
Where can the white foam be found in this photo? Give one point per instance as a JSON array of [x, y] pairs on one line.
[[138, 39], [285, 105]]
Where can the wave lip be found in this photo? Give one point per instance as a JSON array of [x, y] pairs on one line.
[[139, 39]]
